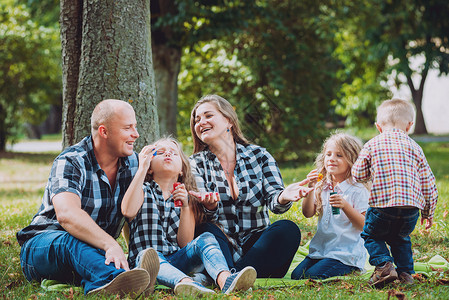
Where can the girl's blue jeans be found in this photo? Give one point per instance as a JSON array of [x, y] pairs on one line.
[[60, 256], [203, 250], [321, 268], [270, 252], [392, 226]]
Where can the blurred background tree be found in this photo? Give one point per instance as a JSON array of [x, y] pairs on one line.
[[292, 69], [30, 73]]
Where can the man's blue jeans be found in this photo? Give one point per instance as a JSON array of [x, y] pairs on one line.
[[60, 256], [392, 226], [202, 250], [270, 252], [321, 268]]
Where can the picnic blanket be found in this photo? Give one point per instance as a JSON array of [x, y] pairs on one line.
[[426, 268]]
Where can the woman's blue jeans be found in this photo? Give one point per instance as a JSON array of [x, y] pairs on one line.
[[391, 226], [60, 256], [203, 250], [270, 252], [321, 268]]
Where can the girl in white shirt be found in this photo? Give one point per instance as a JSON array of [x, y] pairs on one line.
[[340, 203]]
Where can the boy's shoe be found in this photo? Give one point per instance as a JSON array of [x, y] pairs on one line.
[[191, 288], [406, 278], [383, 275], [150, 262], [240, 281], [132, 283]]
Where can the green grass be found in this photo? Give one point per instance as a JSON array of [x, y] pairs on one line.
[[23, 178]]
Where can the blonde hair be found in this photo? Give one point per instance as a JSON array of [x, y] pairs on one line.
[[186, 177], [350, 148], [104, 112], [395, 112], [226, 109]]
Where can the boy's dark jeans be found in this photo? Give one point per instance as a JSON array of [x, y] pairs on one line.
[[392, 226]]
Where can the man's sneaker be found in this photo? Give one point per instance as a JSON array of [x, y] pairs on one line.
[[150, 262], [383, 275], [132, 283], [191, 288], [406, 278], [240, 281]]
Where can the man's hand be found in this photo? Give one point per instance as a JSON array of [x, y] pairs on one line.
[[115, 254]]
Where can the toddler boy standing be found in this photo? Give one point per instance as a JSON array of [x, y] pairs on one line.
[[403, 184]]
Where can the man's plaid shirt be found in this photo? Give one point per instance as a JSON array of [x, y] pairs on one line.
[[400, 173], [155, 225], [259, 183], [77, 171]]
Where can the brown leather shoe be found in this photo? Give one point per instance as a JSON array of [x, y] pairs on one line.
[[406, 278], [383, 275]]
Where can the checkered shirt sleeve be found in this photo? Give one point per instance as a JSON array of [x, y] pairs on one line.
[[400, 173], [259, 183], [76, 171], [155, 225]]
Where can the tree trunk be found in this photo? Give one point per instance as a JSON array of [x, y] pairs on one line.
[[167, 63], [417, 96], [70, 20], [115, 62]]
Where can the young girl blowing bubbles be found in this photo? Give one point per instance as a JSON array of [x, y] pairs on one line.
[[337, 248], [159, 226]]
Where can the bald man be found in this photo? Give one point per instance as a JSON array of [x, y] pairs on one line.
[[72, 238]]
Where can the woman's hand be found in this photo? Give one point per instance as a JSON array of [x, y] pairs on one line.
[[294, 192], [180, 194], [209, 200], [313, 178]]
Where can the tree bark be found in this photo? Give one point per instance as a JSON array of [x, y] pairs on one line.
[[167, 63], [115, 62], [417, 96], [70, 20]]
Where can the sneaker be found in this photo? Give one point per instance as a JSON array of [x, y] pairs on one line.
[[132, 283], [240, 281], [406, 278], [150, 262], [383, 275], [192, 288]]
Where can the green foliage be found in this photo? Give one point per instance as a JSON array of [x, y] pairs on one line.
[[30, 70], [184, 23], [279, 74]]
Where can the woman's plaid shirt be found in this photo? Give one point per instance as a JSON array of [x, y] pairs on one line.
[[259, 183]]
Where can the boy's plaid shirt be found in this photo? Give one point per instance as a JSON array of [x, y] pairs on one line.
[[259, 183], [400, 173]]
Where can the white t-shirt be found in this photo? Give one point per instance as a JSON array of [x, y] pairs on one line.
[[336, 236]]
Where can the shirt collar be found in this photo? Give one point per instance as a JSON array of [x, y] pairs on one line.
[[123, 161], [341, 187], [241, 152], [394, 130]]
